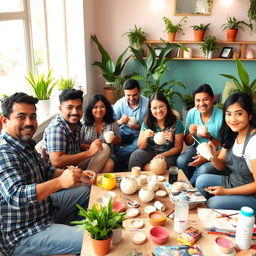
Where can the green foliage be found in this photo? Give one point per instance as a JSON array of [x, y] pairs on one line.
[[233, 23], [136, 37], [252, 10], [188, 101], [171, 28], [42, 85], [99, 221], [154, 69], [66, 83], [111, 72], [201, 27], [210, 44], [244, 85]]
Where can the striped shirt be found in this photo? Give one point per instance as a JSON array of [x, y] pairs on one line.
[[21, 168]]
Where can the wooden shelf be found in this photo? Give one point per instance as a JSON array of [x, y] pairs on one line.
[[242, 48]]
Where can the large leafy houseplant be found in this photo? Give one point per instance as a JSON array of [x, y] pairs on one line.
[[244, 85], [233, 23], [153, 70], [112, 72], [41, 84], [136, 37]]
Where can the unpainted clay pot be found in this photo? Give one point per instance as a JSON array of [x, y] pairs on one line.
[[158, 166]]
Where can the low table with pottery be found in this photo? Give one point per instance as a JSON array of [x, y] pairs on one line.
[[126, 245]]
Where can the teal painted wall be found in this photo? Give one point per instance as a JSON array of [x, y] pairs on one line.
[[193, 73]]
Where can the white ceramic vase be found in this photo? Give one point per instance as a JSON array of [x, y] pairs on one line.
[[128, 185], [146, 195], [158, 166], [43, 107]]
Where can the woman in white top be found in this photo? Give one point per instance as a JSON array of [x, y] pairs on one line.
[[238, 154]]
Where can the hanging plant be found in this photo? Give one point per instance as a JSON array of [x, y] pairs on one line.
[[210, 2], [252, 10]]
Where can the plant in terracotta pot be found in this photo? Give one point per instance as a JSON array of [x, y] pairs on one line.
[[209, 46], [136, 37], [232, 26], [99, 221], [112, 72], [199, 31], [172, 29]]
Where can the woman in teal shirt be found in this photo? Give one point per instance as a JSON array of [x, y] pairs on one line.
[[160, 118]]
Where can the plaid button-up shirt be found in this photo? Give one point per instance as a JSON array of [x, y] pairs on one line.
[[59, 138], [21, 168]]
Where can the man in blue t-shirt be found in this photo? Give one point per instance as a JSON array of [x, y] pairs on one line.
[[204, 113], [131, 105]]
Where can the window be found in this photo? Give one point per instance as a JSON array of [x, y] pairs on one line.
[[38, 35]]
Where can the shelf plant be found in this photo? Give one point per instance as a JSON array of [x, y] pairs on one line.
[[172, 29], [136, 37], [112, 72], [199, 31], [209, 46], [233, 25], [154, 68], [99, 221], [244, 85], [252, 10]]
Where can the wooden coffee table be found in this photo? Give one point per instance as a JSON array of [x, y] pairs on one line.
[[126, 246]]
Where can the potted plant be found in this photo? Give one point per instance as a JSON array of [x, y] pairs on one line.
[[232, 27], [136, 37], [199, 31], [244, 85], [66, 83], [99, 221], [111, 72], [42, 86], [209, 46], [154, 68], [172, 29]]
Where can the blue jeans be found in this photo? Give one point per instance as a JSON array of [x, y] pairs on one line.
[[58, 238], [123, 152], [191, 172], [230, 202]]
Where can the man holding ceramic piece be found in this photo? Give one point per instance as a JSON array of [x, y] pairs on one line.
[[129, 112], [203, 123]]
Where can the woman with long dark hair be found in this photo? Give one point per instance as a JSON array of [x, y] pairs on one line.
[[238, 154], [99, 118], [160, 118]]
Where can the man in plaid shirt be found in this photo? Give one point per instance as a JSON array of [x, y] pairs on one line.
[[34, 198], [62, 137]]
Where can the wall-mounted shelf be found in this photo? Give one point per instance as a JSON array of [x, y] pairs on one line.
[[242, 47]]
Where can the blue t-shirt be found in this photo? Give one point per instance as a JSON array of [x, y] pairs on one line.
[[178, 128], [213, 124], [122, 107]]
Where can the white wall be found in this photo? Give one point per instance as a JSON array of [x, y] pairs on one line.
[[115, 17]]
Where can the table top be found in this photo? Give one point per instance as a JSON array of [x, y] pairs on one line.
[[126, 246]]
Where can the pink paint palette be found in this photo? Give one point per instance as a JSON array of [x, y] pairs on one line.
[[224, 244]]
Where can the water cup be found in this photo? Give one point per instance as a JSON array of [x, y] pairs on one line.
[[173, 174], [106, 181], [108, 136], [107, 196]]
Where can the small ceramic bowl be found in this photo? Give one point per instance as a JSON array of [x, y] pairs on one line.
[[161, 193], [159, 235], [224, 244], [138, 237], [136, 223], [149, 208], [119, 207], [157, 218], [132, 212]]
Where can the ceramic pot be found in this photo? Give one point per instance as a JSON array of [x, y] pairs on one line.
[[146, 195], [231, 35], [153, 185], [117, 235], [43, 107], [158, 166], [128, 185], [159, 138], [199, 35], [209, 55], [171, 37], [101, 247], [107, 181]]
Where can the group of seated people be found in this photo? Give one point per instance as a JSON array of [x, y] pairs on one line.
[[39, 193]]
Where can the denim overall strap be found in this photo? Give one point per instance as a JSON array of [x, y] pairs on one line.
[[240, 173]]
